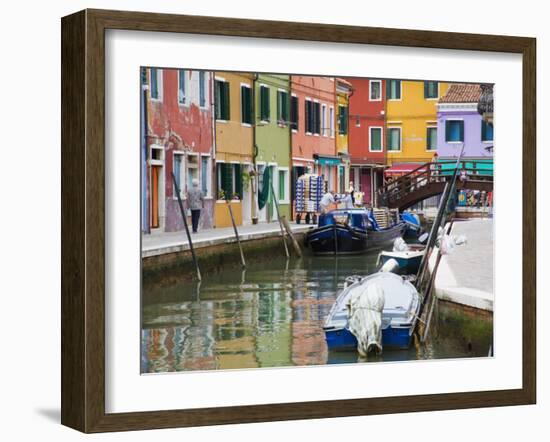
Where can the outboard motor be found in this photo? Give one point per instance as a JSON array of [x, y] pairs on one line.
[[365, 321]]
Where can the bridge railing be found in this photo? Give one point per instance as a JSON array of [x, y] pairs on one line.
[[429, 173]]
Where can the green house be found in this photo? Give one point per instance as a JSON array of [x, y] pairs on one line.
[[272, 115]]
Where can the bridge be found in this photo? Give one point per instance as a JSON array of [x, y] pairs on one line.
[[429, 180]]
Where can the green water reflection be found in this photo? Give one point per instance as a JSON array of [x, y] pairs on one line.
[[272, 315]]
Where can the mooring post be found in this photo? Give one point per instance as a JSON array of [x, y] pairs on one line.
[[187, 228], [280, 223], [288, 229], [236, 232]]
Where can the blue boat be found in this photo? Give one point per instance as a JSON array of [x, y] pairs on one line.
[[399, 315], [350, 231], [408, 260], [414, 228]]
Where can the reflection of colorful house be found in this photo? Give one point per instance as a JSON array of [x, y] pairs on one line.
[[272, 137], [343, 92], [312, 115], [460, 124], [411, 123], [366, 135], [234, 140], [179, 142]]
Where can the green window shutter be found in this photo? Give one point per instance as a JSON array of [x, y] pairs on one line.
[[227, 179], [217, 100], [426, 89], [285, 107], [294, 112], [238, 180], [243, 105], [264, 103], [317, 117], [225, 110], [376, 139], [345, 109], [461, 131], [307, 114], [447, 130], [281, 185], [246, 105]]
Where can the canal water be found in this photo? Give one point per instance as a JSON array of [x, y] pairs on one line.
[[272, 315]]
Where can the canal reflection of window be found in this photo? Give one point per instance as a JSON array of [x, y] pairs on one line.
[[221, 100], [454, 131], [486, 131], [431, 138], [178, 169], [156, 84]]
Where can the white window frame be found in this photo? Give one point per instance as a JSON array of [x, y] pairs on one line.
[[400, 139], [159, 85], [206, 89], [223, 80], [445, 128], [331, 118], [370, 90], [324, 120], [286, 171], [208, 174], [381, 138], [246, 85], [190, 165], [185, 80], [294, 131], [400, 89], [183, 172], [268, 100], [431, 126]]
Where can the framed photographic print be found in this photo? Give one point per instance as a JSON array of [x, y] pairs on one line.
[[270, 220]]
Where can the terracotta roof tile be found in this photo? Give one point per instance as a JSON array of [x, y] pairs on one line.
[[462, 93]]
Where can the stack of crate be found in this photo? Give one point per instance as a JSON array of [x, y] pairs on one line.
[[309, 191], [382, 216]]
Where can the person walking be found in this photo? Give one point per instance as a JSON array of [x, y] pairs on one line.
[[195, 202], [351, 191]]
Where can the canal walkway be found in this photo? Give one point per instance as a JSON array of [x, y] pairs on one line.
[[466, 276], [160, 243]]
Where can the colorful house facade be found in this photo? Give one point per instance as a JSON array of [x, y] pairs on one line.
[[460, 124], [344, 90], [234, 115], [313, 131], [179, 144], [367, 107], [272, 143], [411, 123]]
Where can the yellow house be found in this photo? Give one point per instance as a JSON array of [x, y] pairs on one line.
[[411, 120], [233, 105], [344, 89]]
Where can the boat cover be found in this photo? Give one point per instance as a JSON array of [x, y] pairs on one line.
[[365, 321]]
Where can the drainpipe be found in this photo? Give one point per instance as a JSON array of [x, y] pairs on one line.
[[254, 181]]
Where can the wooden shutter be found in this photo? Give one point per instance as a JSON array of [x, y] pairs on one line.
[[317, 117], [294, 112], [225, 109]]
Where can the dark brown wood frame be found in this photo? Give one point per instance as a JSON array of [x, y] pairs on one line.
[[83, 220]]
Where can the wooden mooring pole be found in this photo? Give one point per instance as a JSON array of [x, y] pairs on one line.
[[236, 233], [280, 223], [195, 262], [288, 229]]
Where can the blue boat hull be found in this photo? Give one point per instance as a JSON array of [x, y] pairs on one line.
[[392, 338], [408, 266]]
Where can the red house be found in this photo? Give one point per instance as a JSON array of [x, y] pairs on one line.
[[180, 142], [367, 151]]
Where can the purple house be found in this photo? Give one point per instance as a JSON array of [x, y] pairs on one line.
[[459, 123]]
